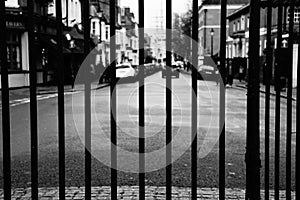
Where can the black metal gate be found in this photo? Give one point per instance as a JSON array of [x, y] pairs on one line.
[[283, 72]]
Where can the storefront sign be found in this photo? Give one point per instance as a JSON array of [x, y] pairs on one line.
[[15, 25]]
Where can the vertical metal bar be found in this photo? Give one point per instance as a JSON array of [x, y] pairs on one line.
[[169, 99], [33, 103], [253, 143], [113, 92], [141, 103], [5, 105], [204, 31], [61, 109], [267, 97], [277, 110], [289, 102], [87, 103], [222, 101], [285, 18], [298, 128], [194, 97], [67, 13]]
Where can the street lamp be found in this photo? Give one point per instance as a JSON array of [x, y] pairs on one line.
[[212, 32], [72, 47]]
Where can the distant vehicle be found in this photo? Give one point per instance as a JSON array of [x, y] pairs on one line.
[[174, 71], [180, 64], [207, 72], [125, 70]]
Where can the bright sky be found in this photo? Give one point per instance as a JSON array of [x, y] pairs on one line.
[[154, 9]]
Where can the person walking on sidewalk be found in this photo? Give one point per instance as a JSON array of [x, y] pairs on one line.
[[241, 73], [217, 72], [229, 74]]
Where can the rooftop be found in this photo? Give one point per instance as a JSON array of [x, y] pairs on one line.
[[244, 9], [217, 2]]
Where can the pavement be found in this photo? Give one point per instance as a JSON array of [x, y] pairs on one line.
[[132, 192], [19, 96], [243, 85], [283, 94]]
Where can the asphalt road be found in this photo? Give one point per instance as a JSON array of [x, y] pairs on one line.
[[127, 133]]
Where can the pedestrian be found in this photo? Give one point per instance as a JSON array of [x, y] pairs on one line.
[[217, 73], [241, 73], [101, 72], [230, 75]]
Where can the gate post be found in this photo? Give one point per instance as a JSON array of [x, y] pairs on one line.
[[5, 106], [252, 149]]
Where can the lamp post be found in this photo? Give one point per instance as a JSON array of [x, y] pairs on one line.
[[212, 32], [72, 46]]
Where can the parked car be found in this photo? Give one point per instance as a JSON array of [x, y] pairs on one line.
[[174, 71], [125, 70], [207, 72]]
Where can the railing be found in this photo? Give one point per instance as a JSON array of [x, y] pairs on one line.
[[252, 158]]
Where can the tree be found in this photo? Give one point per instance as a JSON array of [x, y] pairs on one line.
[[177, 41], [186, 27], [182, 35]]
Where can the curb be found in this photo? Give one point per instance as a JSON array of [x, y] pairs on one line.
[[73, 89], [132, 192], [50, 93]]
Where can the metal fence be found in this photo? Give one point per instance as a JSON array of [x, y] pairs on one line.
[[252, 157]]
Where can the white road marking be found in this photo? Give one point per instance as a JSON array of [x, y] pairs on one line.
[[22, 101]]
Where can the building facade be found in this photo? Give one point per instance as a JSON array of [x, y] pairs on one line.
[[18, 42], [209, 25], [238, 39]]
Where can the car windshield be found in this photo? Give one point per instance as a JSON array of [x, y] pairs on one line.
[[123, 66], [206, 67]]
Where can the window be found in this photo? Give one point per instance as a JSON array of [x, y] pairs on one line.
[[72, 9], [94, 28], [238, 25], [247, 48], [135, 59], [248, 22], [106, 32], [14, 51], [243, 23], [76, 10], [234, 27], [12, 3], [296, 15], [260, 48]]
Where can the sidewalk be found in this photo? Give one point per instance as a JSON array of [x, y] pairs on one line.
[[243, 85], [23, 94], [132, 192]]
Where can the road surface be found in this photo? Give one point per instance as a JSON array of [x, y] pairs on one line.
[[127, 121]]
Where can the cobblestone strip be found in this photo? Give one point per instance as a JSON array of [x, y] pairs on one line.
[[132, 192]]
